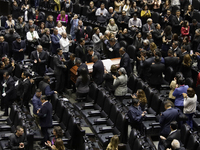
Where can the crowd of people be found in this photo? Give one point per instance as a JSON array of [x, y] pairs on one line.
[[173, 41]]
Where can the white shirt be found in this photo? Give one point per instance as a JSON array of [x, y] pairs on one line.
[[99, 11], [175, 3], [30, 35], [64, 44], [136, 22], [190, 105], [61, 30]]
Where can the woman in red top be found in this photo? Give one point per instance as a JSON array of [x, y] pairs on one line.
[[185, 30]]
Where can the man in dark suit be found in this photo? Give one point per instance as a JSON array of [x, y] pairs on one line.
[[170, 114], [167, 20], [148, 27], [125, 60], [30, 24], [158, 34], [8, 92], [136, 115], [177, 21], [171, 61], [98, 70], [24, 89], [55, 38], [157, 70], [123, 18], [81, 51], [174, 134], [18, 47], [4, 48], [39, 59], [113, 48], [193, 27], [80, 31], [91, 53], [45, 114], [183, 53], [80, 66], [176, 49], [59, 70]]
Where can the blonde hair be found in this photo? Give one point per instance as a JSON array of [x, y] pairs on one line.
[[114, 141], [111, 20], [142, 96], [153, 46], [62, 13], [187, 60]]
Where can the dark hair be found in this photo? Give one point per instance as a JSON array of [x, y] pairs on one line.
[[38, 90], [157, 59], [9, 16], [11, 31], [26, 74], [90, 49], [123, 48], [84, 75], [113, 69], [190, 92], [174, 125], [58, 131], [43, 97], [46, 79], [181, 81], [95, 29], [144, 7], [185, 23], [6, 73], [135, 101], [175, 37], [58, 50], [186, 38], [59, 144], [194, 21], [158, 53], [1, 63], [78, 61], [183, 47], [81, 40], [72, 55], [168, 30], [168, 103], [170, 52], [19, 127], [178, 75]]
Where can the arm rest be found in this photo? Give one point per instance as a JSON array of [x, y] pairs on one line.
[[165, 87], [100, 121], [94, 113], [150, 117], [87, 105], [155, 125], [106, 129]]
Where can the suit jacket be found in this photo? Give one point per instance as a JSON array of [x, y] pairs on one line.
[[40, 17], [156, 73], [177, 51], [171, 62], [80, 33], [145, 28], [123, 18], [45, 115], [158, 37], [55, 42], [27, 27], [115, 52], [89, 57], [166, 118], [45, 41], [125, 62], [10, 89], [176, 22], [80, 53], [120, 84], [83, 65], [59, 66], [39, 67], [98, 72], [18, 56], [24, 90], [171, 137], [10, 38], [4, 49]]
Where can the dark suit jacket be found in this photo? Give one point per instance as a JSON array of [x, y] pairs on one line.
[[115, 52], [50, 25], [10, 38], [171, 137], [18, 56], [89, 57], [171, 62], [59, 66], [45, 115], [125, 62], [24, 90], [45, 41], [40, 17], [166, 118], [27, 27], [4, 49], [98, 72], [123, 18], [177, 51], [158, 37], [55, 42], [10, 89], [175, 21], [156, 73], [80, 33], [39, 67], [145, 28], [80, 54], [83, 65]]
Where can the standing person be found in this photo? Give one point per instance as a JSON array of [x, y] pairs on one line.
[[80, 31], [74, 24], [46, 40], [59, 70], [55, 38], [37, 104], [135, 24], [190, 101], [64, 45], [39, 59], [24, 89], [17, 140], [91, 11], [178, 93], [8, 93], [80, 51], [82, 83], [4, 48], [125, 60], [98, 70], [62, 17], [97, 38], [45, 114], [186, 66]]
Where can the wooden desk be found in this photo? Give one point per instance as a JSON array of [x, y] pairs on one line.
[[106, 62]]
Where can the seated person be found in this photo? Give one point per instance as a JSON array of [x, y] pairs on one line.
[[123, 18], [136, 115], [140, 94], [10, 23], [62, 17], [17, 140], [101, 14]]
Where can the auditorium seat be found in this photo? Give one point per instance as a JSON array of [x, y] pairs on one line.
[[185, 134], [192, 143]]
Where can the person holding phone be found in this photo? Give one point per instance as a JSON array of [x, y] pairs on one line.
[[17, 140]]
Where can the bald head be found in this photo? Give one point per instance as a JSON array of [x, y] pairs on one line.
[[64, 35], [39, 48]]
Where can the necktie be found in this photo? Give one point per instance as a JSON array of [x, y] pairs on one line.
[[149, 27]]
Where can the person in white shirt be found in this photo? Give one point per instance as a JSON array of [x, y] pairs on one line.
[[175, 3], [61, 28], [101, 14], [190, 101], [32, 35], [64, 45], [135, 24], [97, 38]]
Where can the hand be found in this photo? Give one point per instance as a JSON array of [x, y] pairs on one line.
[[114, 77], [39, 60], [4, 94], [139, 58], [168, 149], [38, 111], [101, 13], [197, 53], [184, 95], [133, 96], [110, 49], [48, 143], [63, 60], [53, 147], [143, 114], [21, 145], [35, 61], [55, 92], [93, 9], [32, 81], [65, 66], [50, 42], [84, 28], [162, 137]]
